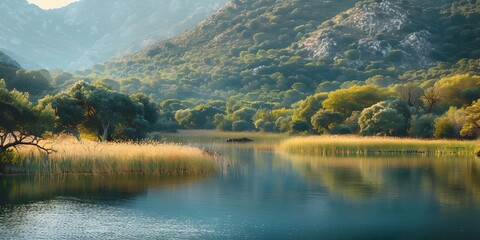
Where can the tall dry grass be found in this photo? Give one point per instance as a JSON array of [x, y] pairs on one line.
[[90, 157], [347, 145]]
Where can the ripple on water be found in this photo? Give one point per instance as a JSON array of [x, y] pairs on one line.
[[74, 219]]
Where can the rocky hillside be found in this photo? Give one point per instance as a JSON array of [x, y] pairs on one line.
[[398, 33], [374, 31], [93, 31], [283, 50]]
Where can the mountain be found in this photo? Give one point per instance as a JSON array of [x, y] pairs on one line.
[[7, 61], [93, 31], [405, 35], [281, 51]]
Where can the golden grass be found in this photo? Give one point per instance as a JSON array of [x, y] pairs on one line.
[[347, 145], [90, 157]]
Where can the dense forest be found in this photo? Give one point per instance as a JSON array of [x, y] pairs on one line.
[[391, 68]]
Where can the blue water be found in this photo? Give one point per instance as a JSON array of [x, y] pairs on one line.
[[261, 195]]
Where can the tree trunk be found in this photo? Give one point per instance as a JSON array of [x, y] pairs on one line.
[[77, 135], [105, 131]]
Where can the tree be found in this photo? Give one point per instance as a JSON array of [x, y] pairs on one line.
[[411, 92], [432, 98], [259, 38], [458, 90], [283, 124], [242, 125], [222, 122], [68, 111], [107, 109], [381, 119], [300, 126], [146, 107], [264, 126], [104, 110], [352, 54], [309, 106], [201, 117], [324, 120], [444, 128], [450, 124], [31, 81], [472, 120], [395, 55], [423, 126], [244, 114], [355, 98], [21, 123]]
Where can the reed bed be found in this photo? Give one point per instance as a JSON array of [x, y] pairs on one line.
[[355, 145], [150, 158]]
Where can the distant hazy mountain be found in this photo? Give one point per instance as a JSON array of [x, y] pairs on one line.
[[92, 31], [7, 61]]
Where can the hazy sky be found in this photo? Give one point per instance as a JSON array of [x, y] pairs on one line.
[[48, 4]]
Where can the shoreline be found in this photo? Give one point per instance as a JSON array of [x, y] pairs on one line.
[[355, 145]]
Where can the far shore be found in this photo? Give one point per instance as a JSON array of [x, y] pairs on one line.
[[341, 145]]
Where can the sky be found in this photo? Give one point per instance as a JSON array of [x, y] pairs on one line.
[[49, 4]]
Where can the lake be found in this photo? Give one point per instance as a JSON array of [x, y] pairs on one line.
[[259, 194]]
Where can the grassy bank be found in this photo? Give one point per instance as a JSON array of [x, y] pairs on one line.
[[95, 158], [346, 145]]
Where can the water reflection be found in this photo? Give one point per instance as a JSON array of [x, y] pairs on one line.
[[28, 189], [453, 181], [260, 194]]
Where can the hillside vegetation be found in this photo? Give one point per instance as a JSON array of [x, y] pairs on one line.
[[372, 67]]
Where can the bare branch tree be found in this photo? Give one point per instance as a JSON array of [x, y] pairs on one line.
[[13, 139], [432, 98]]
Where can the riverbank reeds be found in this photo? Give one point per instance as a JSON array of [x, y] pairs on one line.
[[350, 145], [150, 158]]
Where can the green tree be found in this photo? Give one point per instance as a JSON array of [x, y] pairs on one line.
[[21, 123], [223, 122], [283, 124], [242, 125], [201, 117], [380, 119], [146, 107], [423, 126], [68, 112], [104, 110], [309, 106], [324, 120], [395, 55], [245, 114], [300, 126], [107, 109]]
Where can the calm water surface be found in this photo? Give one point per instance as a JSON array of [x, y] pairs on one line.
[[261, 195]]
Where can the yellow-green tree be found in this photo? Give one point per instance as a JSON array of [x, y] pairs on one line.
[[459, 90], [472, 120], [355, 98]]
